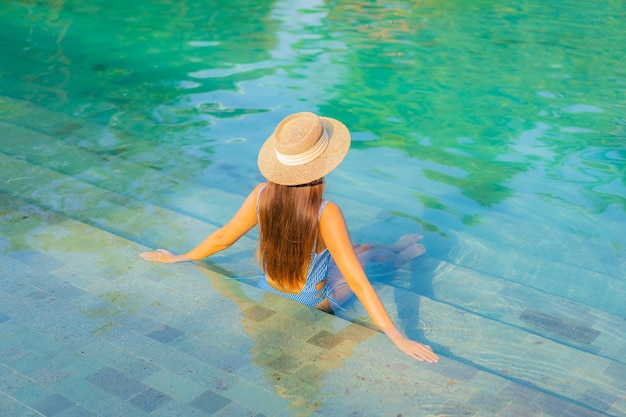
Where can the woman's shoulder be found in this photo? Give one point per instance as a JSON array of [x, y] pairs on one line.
[[258, 188], [331, 203], [333, 226], [330, 210], [254, 195]]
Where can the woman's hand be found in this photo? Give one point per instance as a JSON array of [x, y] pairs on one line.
[[419, 351], [162, 255]]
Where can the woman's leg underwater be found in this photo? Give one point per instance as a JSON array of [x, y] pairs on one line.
[[398, 254]]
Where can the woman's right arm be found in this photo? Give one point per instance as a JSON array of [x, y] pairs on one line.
[[244, 220]]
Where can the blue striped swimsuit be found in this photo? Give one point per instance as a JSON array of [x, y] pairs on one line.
[[318, 271]]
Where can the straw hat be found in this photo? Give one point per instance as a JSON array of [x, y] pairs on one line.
[[303, 148]]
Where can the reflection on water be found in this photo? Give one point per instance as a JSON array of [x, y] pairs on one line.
[[457, 89], [464, 98]]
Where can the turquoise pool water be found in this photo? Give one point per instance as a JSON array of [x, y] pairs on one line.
[[496, 130]]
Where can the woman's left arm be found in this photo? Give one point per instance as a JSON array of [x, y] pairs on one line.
[[337, 238], [244, 220]]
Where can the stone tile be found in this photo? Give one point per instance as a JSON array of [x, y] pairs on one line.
[[83, 367], [488, 403], [209, 402], [29, 364], [12, 352], [356, 333], [52, 405], [260, 376], [285, 363], [617, 370], [4, 317], [114, 407], [89, 396], [137, 368], [518, 410], [115, 383], [71, 337], [5, 371], [175, 408], [149, 400], [557, 325], [326, 340], [23, 389], [164, 356], [572, 410], [105, 352], [228, 360], [42, 261], [141, 323], [237, 410], [212, 351], [258, 313], [9, 303], [598, 400], [165, 334], [75, 411], [519, 392], [188, 324], [188, 344], [129, 339], [455, 370], [38, 319], [176, 386], [12, 408], [67, 334], [256, 398], [207, 375], [66, 292], [50, 375], [19, 290], [553, 406], [453, 408]]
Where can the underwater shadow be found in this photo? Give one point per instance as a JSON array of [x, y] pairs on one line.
[[293, 346]]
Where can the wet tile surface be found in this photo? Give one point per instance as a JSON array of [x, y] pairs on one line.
[[557, 325], [53, 405], [88, 332], [209, 402], [115, 383], [165, 334]]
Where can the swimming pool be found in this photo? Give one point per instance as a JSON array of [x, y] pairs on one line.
[[496, 130]]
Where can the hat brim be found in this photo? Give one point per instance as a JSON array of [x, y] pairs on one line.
[[335, 152]]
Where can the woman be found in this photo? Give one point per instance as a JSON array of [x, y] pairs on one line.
[[300, 231]]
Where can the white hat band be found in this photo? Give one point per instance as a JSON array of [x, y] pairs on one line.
[[305, 157]]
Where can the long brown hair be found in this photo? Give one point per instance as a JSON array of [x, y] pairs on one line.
[[288, 221]]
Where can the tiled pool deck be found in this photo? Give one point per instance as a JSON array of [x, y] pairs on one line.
[[89, 329], [95, 331]]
